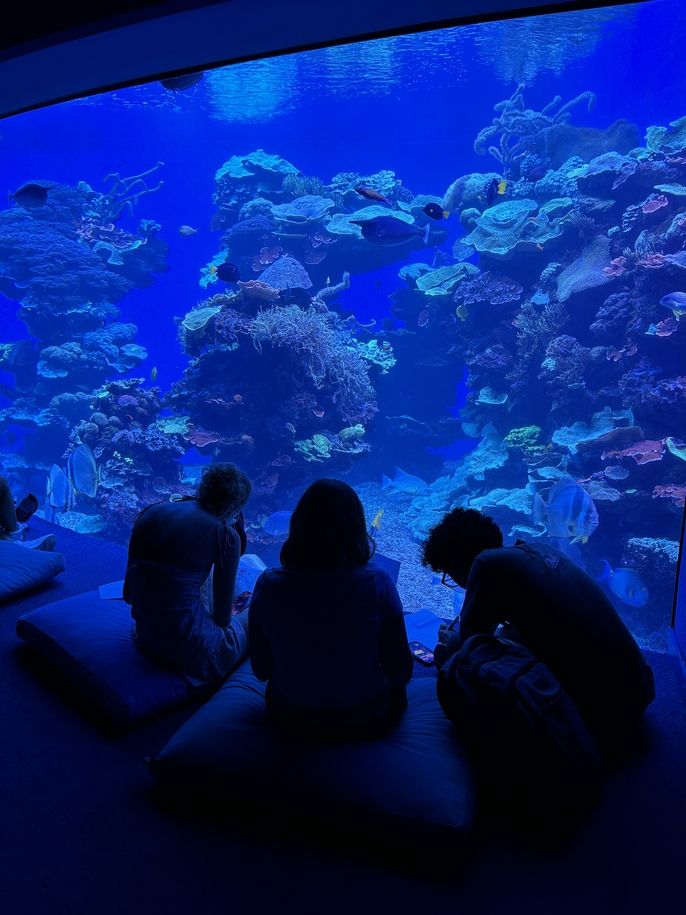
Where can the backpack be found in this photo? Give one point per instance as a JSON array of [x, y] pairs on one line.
[[534, 754]]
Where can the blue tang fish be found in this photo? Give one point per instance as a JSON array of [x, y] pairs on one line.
[[277, 524], [388, 230], [404, 482], [569, 511], [31, 195], [626, 584]]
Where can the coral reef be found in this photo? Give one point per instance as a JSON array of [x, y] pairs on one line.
[[324, 377], [517, 129], [537, 335], [68, 265]]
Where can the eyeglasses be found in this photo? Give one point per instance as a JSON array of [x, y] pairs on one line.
[[448, 584]]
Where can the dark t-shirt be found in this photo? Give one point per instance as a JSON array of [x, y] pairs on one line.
[[568, 622], [184, 535], [173, 548], [330, 641]]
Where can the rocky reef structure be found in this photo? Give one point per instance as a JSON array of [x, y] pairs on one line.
[[545, 344], [572, 327], [68, 262], [323, 373], [268, 210]]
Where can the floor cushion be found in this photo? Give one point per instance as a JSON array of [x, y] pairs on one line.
[[89, 640], [22, 568], [411, 785]]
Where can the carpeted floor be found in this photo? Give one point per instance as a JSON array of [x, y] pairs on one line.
[[80, 832]]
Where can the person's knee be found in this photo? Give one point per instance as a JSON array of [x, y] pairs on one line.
[[4, 488]]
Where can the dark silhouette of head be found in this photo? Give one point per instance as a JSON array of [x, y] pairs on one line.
[[327, 530], [223, 489], [454, 543]]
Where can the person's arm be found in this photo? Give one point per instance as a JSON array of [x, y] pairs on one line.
[[481, 611], [394, 651], [224, 576], [261, 658], [483, 608], [239, 527]]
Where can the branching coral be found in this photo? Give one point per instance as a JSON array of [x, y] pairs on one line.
[[299, 185], [519, 130], [537, 326], [123, 194], [565, 362], [325, 349]]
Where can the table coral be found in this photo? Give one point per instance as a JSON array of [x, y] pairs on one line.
[[587, 271], [676, 493], [511, 227], [643, 452], [579, 433]]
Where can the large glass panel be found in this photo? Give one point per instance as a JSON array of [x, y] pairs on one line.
[[448, 267]]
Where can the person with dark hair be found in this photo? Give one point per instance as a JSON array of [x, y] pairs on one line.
[[548, 604], [326, 628], [181, 573]]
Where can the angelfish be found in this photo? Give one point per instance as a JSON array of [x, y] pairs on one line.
[[82, 471], [569, 512], [496, 188], [434, 211], [59, 495]]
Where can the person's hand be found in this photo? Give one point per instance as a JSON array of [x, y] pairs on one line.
[[239, 527], [448, 643]]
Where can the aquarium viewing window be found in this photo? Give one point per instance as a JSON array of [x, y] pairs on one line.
[[448, 267]]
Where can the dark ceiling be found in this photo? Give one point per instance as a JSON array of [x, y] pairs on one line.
[[77, 49], [64, 21]]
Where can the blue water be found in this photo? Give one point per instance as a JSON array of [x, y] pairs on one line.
[[413, 104]]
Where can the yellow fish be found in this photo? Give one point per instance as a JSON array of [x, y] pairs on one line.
[[376, 523], [153, 373], [213, 269], [502, 187], [462, 312]]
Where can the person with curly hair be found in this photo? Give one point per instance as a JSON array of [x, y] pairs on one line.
[[327, 630], [181, 573], [548, 604]]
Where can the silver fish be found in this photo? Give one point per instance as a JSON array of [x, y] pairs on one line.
[[59, 495], [83, 471], [569, 512], [404, 482]]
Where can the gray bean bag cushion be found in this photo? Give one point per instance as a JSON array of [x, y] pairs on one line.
[[412, 785], [89, 640], [22, 569]]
